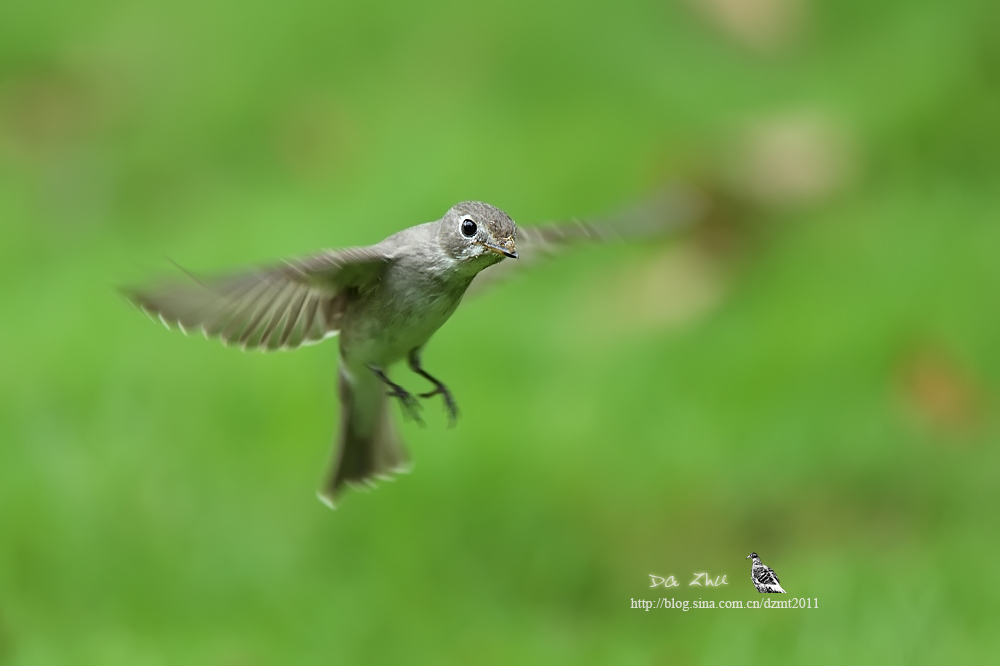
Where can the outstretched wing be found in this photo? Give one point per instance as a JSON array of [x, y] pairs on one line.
[[669, 211], [275, 307]]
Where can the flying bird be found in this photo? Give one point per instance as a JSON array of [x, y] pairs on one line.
[[763, 577], [385, 301]]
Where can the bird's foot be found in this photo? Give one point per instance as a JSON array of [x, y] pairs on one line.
[[439, 387], [449, 401], [411, 406]]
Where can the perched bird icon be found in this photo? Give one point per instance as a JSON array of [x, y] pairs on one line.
[[763, 577], [385, 301]]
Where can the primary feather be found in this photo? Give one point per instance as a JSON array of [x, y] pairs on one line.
[[297, 302]]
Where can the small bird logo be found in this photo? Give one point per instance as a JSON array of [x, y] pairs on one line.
[[763, 577]]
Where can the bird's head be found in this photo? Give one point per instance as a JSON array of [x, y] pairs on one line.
[[478, 234], [752, 556]]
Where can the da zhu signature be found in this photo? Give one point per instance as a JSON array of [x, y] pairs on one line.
[[700, 578]]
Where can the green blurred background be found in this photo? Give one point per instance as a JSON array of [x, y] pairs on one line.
[[817, 383]]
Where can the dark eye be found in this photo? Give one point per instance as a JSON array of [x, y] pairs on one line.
[[468, 228]]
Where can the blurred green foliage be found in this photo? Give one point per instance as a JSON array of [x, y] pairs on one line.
[[828, 399]]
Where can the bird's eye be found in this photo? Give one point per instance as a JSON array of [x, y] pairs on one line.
[[468, 228]]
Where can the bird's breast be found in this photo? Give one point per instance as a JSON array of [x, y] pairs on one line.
[[396, 315]]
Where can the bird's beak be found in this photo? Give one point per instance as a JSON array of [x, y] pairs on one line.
[[504, 247], [748, 557]]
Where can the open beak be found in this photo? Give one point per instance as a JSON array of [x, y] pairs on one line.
[[505, 247]]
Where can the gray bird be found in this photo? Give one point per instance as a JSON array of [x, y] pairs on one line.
[[385, 301], [763, 577]]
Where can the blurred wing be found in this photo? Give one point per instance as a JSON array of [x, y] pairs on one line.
[[277, 307], [667, 212]]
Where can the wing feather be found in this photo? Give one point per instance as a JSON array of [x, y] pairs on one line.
[[293, 318], [296, 302]]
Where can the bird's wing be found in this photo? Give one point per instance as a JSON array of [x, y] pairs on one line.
[[767, 576], [669, 211], [274, 307]]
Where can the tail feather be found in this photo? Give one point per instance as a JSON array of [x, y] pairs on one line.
[[368, 446]]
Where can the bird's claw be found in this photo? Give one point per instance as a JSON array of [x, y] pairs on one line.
[[410, 405], [449, 402], [439, 388]]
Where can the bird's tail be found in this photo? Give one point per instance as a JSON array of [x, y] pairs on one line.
[[368, 446]]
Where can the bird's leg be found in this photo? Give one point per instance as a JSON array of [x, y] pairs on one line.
[[439, 387], [411, 406]]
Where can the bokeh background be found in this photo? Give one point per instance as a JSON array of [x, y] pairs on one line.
[[815, 377]]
